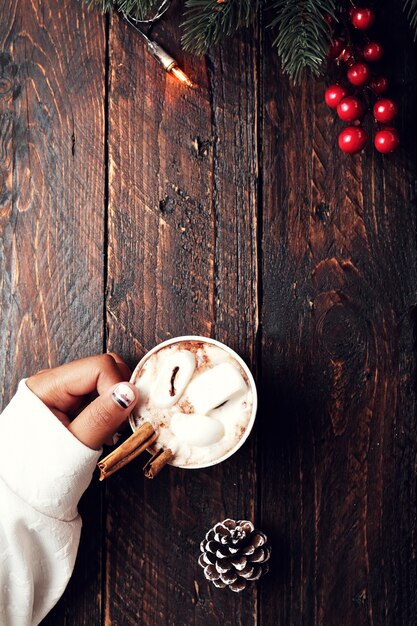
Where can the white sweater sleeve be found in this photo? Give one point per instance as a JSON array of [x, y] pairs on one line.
[[44, 470]]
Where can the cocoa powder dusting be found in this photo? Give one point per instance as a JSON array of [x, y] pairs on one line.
[[186, 407], [191, 346]]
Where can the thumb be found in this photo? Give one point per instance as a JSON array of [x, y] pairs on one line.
[[102, 418]]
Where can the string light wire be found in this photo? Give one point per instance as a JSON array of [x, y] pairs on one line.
[[169, 64]]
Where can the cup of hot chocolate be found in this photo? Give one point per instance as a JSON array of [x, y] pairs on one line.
[[200, 398]]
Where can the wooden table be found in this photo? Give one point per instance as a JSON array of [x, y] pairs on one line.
[[132, 210]]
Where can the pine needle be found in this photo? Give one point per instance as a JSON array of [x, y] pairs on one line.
[[137, 10], [208, 21], [410, 9], [134, 9], [105, 5], [303, 35]]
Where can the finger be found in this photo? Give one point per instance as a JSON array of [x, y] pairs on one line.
[[125, 374], [102, 418], [62, 386], [123, 368]]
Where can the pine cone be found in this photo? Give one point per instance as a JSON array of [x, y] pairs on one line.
[[234, 554]]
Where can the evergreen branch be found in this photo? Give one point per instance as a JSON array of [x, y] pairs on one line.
[[302, 32], [303, 35], [134, 9], [105, 5], [137, 9], [410, 9], [208, 21]]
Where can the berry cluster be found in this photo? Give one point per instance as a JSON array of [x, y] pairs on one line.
[[364, 86]]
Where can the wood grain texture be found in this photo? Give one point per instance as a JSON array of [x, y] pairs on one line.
[[51, 218], [338, 369], [182, 259], [227, 211]]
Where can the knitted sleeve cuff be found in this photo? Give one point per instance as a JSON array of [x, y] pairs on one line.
[[40, 460]]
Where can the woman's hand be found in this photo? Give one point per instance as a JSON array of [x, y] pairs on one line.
[[66, 389]]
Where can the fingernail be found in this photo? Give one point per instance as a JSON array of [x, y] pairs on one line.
[[123, 395]]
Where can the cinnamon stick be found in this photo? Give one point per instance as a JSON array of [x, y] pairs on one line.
[[157, 462], [141, 439]]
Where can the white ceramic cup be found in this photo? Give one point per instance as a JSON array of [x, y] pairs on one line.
[[242, 365]]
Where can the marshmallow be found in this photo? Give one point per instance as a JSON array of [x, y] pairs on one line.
[[196, 430], [214, 387], [172, 379]]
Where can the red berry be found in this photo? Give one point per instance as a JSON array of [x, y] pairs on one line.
[[334, 94], [362, 18], [352, 139], [335, 48], [379, 84], [386, 140], [350, 109], [373, 52], [359, 74], [385, 110]]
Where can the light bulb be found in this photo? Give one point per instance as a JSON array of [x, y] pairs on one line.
[[179, 74], [168, 63]]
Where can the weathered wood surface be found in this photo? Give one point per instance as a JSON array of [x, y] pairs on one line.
[[338, 368], [182, 260], [52, 67], [226, 211]]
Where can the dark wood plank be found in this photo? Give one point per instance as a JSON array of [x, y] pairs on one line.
[[51, 217], [182, 259], [338, 367]]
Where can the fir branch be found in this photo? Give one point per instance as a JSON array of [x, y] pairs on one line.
[[137, 9], [134, 9], [303, 35], [105, 5], [208, 21], [410, 9]]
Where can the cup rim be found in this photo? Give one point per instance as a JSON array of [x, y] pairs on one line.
[[242, 364]]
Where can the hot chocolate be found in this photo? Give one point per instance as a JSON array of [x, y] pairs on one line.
[[199, 397]]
